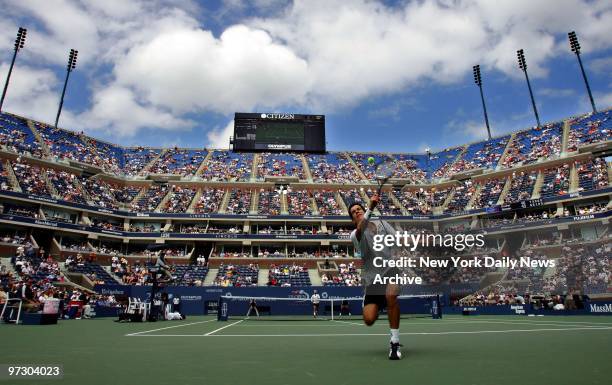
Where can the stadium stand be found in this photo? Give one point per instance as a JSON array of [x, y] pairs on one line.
[[532, 145], [280, 165], [224, 166], [228, 205], [331, 168], [590, 129], [177, 161], [16, 136]]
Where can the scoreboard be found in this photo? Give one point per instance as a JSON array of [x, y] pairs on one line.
[[278, 132]]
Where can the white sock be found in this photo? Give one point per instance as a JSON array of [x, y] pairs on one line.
[[395, 336]]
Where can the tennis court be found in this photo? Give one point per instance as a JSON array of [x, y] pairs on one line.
[[202, 350]]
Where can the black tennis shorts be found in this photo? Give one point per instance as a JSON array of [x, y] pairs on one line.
[[375, 299]]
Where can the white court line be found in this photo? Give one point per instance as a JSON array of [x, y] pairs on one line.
[[548, 320], [169, 327], [221, 328], [374, 334], [508, 322], [348, 322]]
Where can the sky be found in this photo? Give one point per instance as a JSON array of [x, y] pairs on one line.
[[390, 76]]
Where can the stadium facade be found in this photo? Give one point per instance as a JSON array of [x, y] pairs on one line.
[[540, 192]]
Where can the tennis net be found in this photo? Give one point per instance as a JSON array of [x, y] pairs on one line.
[[301, 308]]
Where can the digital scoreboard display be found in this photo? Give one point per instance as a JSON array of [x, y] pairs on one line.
[[278, 132]]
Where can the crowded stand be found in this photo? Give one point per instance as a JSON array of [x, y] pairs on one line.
[[239, 202], [209, 201], [5, 183], [369, 169], [581, 267], [135, 159], [114, 192], [236, 275], [521, 186], [592, 174], [461, 196], [225, 166], [351, 196], [269, 202], [176, 161], [107, 156], [151, 198], [416, 202], [69, 145], [68, 186], [29, 179], [589, 129], [288, 276], [331, 168], [96, 273], [408, 168], [179, 200], [17, 137], [489, 193], [556, 181], [327, 203], [103, 193], [280, 165], [438, 164], [386, 205], [480, 155], [531, 145], [534, 276], [347, 275], [298, 202]]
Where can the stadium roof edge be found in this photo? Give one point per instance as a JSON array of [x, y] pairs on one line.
[[573, 117]]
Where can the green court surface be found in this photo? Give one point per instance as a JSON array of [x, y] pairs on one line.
[[201, 350]]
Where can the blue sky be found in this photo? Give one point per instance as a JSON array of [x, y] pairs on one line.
[[389, 76]]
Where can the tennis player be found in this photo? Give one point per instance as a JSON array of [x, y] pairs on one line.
[[376, 297], [315, 299], [163, 266]]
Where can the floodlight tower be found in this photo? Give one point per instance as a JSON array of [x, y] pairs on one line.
[[72, 58], [478, 81], [19, 43], [575, 46], [523, 66]]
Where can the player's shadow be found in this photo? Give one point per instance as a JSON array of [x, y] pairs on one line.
[[423, 352]]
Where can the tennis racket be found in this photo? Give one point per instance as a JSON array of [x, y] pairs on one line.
[[384, 170]]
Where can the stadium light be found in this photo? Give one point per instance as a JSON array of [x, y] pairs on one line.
[[575, 46], [72, 58], [523, 66], [478, 81], [19, 43]]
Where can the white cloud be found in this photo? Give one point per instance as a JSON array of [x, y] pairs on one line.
[[116, 110], [31, 92], [165, 62], [219, 137], [191, 70]]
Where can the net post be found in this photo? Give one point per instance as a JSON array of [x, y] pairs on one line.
[[332, 309], [436, 307], [222, 309]]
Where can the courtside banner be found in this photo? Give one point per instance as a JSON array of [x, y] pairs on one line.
[[600, 307]]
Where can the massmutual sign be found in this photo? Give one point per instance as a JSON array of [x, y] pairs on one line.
[[604, 308]]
